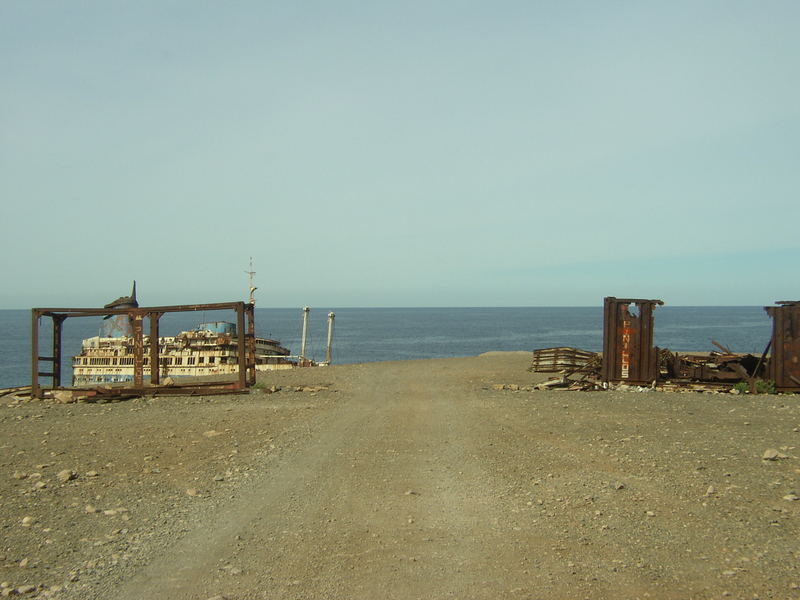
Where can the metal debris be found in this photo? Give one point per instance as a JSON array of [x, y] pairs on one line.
[[562, 358], [630, 361]]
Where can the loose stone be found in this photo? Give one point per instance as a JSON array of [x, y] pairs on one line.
[[66, 475]]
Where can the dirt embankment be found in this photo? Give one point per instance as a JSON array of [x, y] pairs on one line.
[[403, 480]]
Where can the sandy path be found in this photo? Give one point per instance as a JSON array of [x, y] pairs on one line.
[[386, 499]]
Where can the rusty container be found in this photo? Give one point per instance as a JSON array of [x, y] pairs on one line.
[[784, 364], [628, 352]]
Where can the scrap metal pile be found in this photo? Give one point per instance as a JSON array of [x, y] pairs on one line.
[[578, 369], [630, 359]]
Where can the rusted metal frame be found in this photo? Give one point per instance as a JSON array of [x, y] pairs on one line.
[[155, 358], [101, 312], [55, 359], [628, 352], [246, 341]]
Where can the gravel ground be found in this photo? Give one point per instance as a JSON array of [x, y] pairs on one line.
[[418, 479]]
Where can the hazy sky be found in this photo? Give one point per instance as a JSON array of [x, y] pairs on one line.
[[399, 153]]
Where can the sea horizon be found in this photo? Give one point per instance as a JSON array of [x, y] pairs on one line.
[[369, 334]]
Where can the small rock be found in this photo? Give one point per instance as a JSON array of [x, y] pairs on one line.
[[211, 433], [66, 475], [412, 493], [791, 497], [92, 473], [19, 475], [219, 478], [64, 396], [619, 486], [39, 485], [24, 562], [650, 513], [26, 589], [192, 492], [91, 509], [771, 454], [711, 490], [28, 521]]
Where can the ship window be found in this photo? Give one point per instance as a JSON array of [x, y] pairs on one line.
[[201, 359], [179, 361], [115, 360], [211, 359], [190, 360]]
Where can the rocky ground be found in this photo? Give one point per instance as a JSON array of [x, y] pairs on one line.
[[420, 479]]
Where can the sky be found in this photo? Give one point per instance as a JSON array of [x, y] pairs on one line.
[[415, 153]]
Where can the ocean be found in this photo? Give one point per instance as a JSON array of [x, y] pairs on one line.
[[381, 334]]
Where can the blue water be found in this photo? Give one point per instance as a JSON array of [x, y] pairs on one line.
[[378, 334]]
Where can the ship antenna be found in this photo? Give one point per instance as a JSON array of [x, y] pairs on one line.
[[253, 288]]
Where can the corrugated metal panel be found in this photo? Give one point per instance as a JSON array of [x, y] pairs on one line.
[[784, 365]]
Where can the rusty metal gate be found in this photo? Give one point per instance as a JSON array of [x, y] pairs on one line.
[[784, 365], [628, 352]]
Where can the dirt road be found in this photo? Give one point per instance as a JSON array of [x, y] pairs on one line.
[[406, 480]]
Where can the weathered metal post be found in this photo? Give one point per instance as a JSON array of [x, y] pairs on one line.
[[628, 352], [58, 322], [251, 343], [155, 360], [302, 356], [241, 345], [138, 349], [331, 317], [784, 364], [35, 388]]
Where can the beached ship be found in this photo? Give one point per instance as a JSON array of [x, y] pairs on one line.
[[209, 349]]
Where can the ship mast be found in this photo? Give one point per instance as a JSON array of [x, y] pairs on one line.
[[253, 288]]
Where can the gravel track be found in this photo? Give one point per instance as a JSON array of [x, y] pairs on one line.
[[413, 479]]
